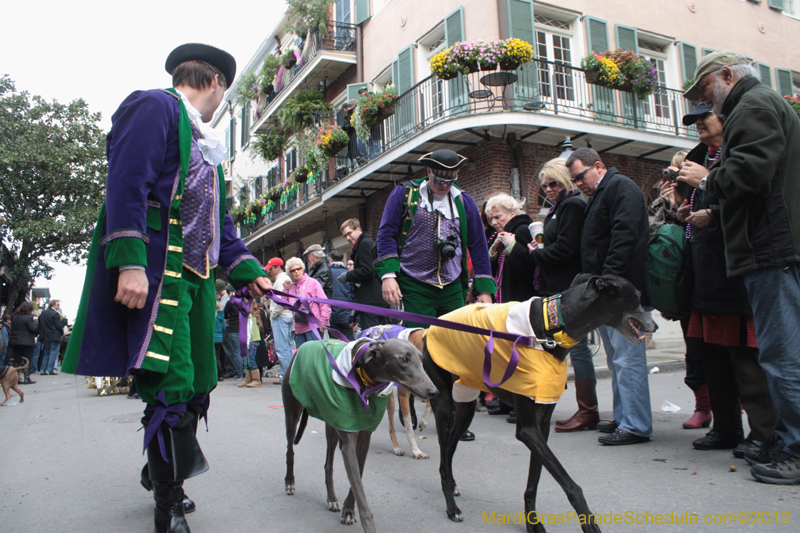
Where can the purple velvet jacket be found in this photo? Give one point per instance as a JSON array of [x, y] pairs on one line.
[[143, 164]]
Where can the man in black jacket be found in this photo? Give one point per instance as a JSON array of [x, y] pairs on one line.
[[318, 268], [756, 182], [614, 241], [51, 327], [366, 282]]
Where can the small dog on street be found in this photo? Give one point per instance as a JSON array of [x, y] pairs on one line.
[[9, 377]]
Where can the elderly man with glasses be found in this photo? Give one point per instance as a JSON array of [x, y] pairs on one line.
[[614, 241]]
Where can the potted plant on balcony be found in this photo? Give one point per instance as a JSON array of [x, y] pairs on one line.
[[301, 174], [514, 53], [443, 65], [622, 70], [465, 53], [373, 108], [308, 16], [489, 54], [268, 72], [290, 57], [237, 214], [268, 145], [247, 88], [331, 140], [302, 110], [274, 193]]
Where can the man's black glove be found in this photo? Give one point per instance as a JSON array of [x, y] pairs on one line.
[[342, 277]]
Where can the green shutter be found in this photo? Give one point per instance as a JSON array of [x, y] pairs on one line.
[[405, 111], [521, 26], [783, 78], [627, 39], [353, 88], [457, 89], [776, 4], [245, 124], [454, 27], [362, 11], [688, 61], [707, 51], [766, 77], [602, 98], [228, 142]]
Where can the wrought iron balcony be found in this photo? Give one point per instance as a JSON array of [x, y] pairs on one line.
[[541, 87], [323, 56]]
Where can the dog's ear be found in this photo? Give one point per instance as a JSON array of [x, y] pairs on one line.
[[594, 284], [375, 349], [610, 284], [580, 279]]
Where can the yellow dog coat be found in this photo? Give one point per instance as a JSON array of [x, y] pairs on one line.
[[539, 375]]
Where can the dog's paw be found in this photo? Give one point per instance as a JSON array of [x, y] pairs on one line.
[[456, 492], [333, 506], [419, 455], [423, 425], [290, 489], [348, 517], [398, 451], [455, 515]]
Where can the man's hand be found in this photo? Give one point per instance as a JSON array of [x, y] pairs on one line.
[[259, 286], [484, 298], [532, 246], [692, 173], [132, 288], [391, 291], [699, 218], [684, 211]]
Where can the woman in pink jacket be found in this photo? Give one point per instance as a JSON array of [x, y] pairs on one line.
[[303, 285]]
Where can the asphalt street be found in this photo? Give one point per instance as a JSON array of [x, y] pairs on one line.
[[71, 461]]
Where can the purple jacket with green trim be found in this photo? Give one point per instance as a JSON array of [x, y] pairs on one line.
[[133, 229]]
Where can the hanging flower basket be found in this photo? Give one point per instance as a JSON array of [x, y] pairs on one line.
[[301, 175], [509, 65], [487, 66], [622, 70], [466, 57], [387, 111]]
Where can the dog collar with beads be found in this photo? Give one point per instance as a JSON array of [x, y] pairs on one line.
[[359, 368], [554, 322]]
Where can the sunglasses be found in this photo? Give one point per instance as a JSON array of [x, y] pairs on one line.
[[580, 176], [296, 269], [551, 185]]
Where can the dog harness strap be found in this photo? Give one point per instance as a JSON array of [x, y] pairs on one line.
[[554, 322], [487, 362], [162, 413]]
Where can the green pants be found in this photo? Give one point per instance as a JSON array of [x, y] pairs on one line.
[[192, 363], [424, 299]]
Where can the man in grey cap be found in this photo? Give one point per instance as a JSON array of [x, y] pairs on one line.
[[318, 268], [756, 182]]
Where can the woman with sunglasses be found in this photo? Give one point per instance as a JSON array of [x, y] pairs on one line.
[[304, 285], [557, 263]]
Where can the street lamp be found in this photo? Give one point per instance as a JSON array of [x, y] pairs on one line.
[[567, 146]]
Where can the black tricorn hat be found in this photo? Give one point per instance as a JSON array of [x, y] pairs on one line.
[[444, 163], [219, 59]]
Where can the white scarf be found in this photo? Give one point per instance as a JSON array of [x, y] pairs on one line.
[[211, 145]]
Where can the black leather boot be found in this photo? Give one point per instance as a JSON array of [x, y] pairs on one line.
[[184, 460], [188, 505]]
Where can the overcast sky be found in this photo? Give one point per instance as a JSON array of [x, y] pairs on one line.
[[103, 50]]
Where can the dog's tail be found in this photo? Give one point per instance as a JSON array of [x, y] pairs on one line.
[[303, 422], [23, 367]]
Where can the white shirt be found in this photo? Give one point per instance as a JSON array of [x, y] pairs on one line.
[[212, 145]]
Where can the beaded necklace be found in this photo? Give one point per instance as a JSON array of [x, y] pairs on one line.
[[709, 162], [499, 278]]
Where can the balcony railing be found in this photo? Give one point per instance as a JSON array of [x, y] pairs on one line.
[[541, 87], [339, 37]]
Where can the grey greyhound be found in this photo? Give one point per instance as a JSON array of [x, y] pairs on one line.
[[590, 302], [395, 361]]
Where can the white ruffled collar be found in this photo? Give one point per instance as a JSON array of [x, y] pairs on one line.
[[440, 204], [212, 144]]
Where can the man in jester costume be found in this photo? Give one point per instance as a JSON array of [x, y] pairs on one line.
[[148, 303], [428, 226]]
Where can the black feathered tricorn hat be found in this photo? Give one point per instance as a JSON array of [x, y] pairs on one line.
[[444, 163], [219, 59]]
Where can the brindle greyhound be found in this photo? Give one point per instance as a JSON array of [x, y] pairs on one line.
[[590, 302], [393, 360]]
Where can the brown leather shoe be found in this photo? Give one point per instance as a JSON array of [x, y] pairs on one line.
[[587, 416]]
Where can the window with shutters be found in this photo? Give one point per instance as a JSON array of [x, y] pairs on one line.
[[655, 52], [273, 176], [791, 8], [245, 133], [290, 160], [232, 139], [257, 186], [553, 47]]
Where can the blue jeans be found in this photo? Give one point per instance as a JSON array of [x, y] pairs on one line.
[[302, 338], [34, 357], [50, 356], [283, 337], [774, 295], [236, 354], [251, 355], [581, 357], [629, 382]]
